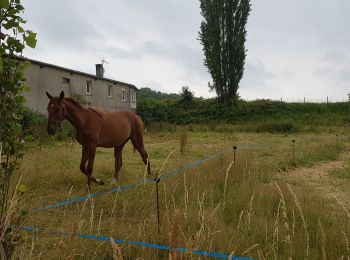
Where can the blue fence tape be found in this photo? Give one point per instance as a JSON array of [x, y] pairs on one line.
[[150, 180], [165, 176], [138, 244], [131, 186]]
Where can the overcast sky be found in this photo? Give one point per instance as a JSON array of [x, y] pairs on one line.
[[296, 48]]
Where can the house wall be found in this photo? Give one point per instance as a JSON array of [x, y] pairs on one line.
[[45, 78]]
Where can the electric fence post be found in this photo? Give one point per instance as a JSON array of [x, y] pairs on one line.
[[157, 180], [234, 154]]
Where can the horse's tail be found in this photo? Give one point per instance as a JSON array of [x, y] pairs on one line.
[[137, 140], [137, 132]]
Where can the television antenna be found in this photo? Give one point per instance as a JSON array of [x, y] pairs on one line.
[[104, 61]]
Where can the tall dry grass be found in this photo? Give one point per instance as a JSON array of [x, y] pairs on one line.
[[245, 208], [183, 141]]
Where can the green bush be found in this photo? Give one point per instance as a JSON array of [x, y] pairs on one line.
[[34, 127], [277, 127], [66, 132], [276, 116]]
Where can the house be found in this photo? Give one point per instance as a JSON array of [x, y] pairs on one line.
[[91, 90]]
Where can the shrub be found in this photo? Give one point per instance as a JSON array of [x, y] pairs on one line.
[[277, 127]]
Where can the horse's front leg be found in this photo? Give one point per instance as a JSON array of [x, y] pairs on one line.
[[84, 158], [118, 161], [90, 164]]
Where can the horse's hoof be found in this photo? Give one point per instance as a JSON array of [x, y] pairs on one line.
[[99, 182], [114, 181]]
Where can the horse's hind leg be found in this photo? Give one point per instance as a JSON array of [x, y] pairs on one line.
[[142, 151], [118, 156], [145, 159]]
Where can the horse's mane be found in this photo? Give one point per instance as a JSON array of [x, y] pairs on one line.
[[76, 103], [73, 101], [99, 112]]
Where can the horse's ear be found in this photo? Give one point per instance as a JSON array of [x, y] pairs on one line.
[[48, 95], [62, 95]]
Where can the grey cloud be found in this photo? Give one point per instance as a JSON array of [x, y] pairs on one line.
[[343, 75], [340, 75], [188, 57], [171, 17], [302, 34], [59, 24], [323, 71], [335, 66], [335, 56], [302, 23], [154, 85], [256, 75], [191, 59], [119, 53], [288, 74]]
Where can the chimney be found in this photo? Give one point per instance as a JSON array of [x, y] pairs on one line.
[[99, 70]]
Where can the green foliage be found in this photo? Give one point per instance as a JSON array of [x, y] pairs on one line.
[[223, 35], [186, 96], [22, 188], [153, 111], [13, 39], [31, 39], [4, 4], [34, 127], [67, 132], [147, 94], [276, 127], [257, 116], [31, 118]]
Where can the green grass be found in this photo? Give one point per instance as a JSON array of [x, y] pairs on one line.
[[342, 174], [221, 210]]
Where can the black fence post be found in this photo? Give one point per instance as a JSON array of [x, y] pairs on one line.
[[234, 154], [294, 159], [157, 180]]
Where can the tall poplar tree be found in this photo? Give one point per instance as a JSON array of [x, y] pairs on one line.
[[223, 36]]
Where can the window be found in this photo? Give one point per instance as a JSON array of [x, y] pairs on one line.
[[132, 96], [65, 81], [88, 87], [123, 95], [110, 91]]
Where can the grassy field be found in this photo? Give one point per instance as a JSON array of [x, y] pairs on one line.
[[256, 207]]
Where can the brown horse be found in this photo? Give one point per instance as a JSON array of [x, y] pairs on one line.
[[95, 128]]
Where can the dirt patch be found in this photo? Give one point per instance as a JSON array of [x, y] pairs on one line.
[[319, 177]]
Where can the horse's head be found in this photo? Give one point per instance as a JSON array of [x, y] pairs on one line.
[[56, 110]]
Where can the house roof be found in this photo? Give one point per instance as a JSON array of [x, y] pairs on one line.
[[44, 64]]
